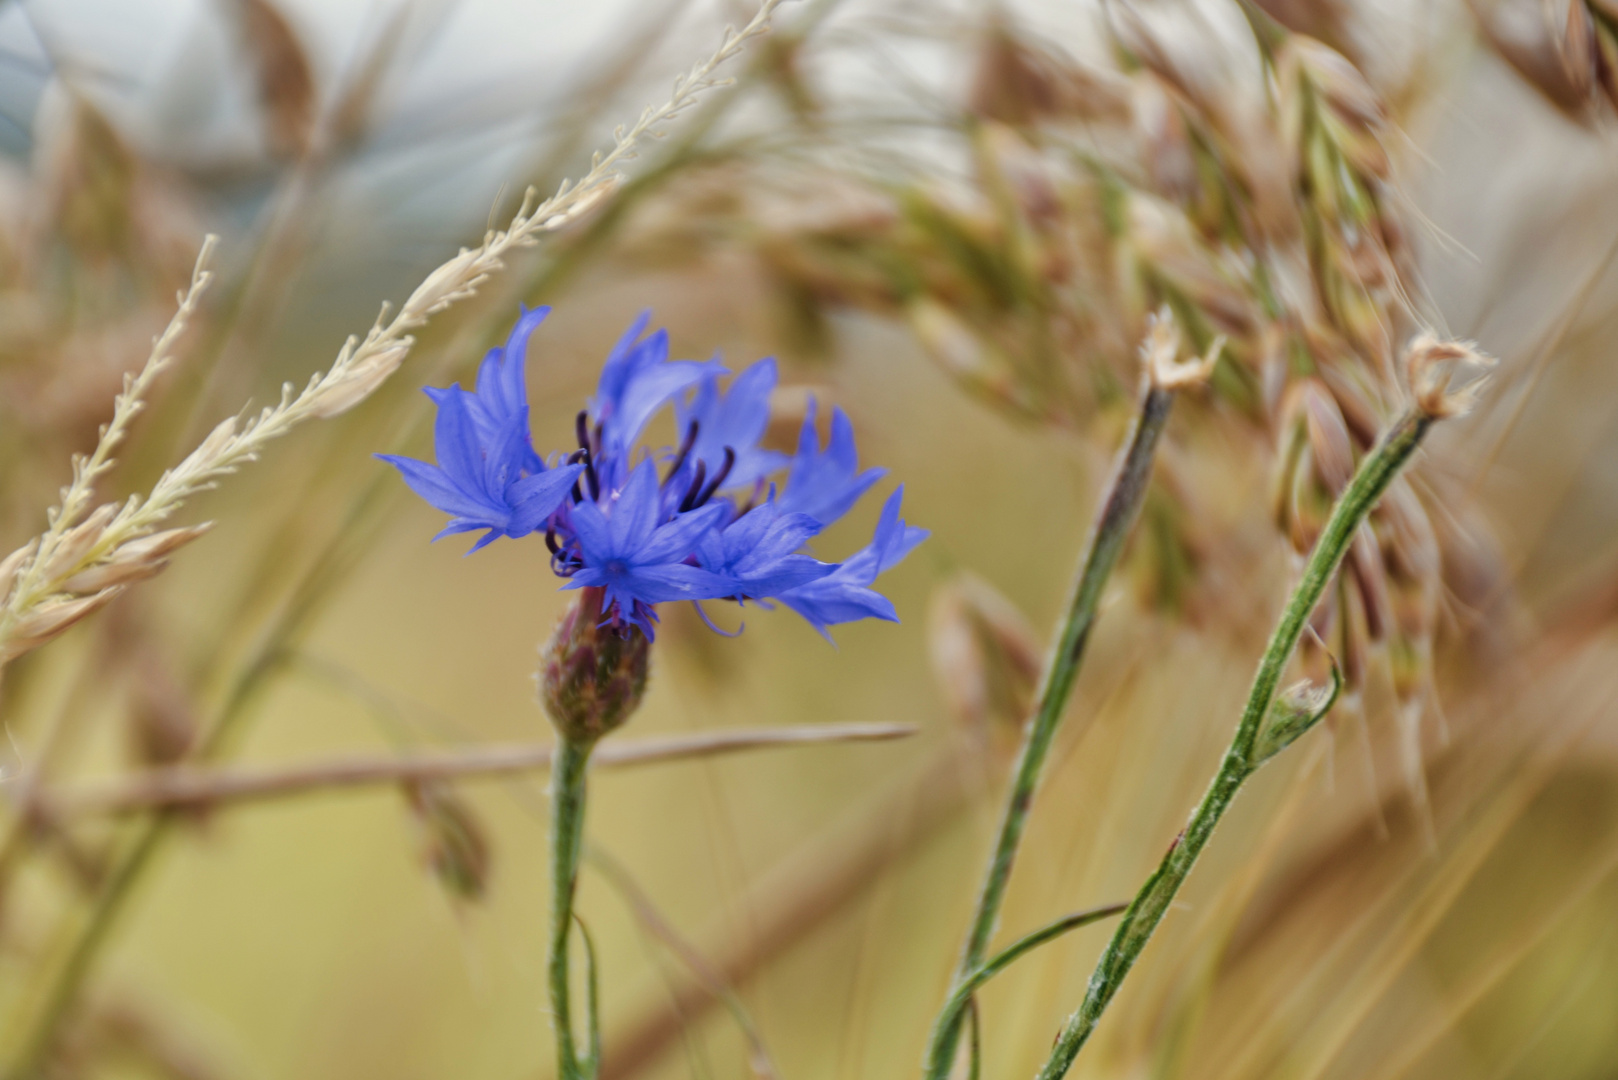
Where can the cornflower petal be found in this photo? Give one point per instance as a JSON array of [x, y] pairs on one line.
[[635, 511], [658, 584], [678, 539], [455, 442], [736, 419], [534, 498], [637, 380], [825, 484], [502, 385], [782, 575], [892, 541], [504, 462], [502, 378], [845, 595], [589, 526], [433, 485], [828, 602], [784, 536], [758, 552]]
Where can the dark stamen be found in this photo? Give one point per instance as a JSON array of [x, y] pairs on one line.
[[550, 540], [695, 489], [685, 452], [718, 477], [573, 459], [581, 427], [752, 500]]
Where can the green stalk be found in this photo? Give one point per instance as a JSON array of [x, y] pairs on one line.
[[960, 1002], [1116, 516], [567, 834], [1245, 753]]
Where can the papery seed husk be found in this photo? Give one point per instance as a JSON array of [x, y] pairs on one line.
[[1328, 436], [163, 723], [443, 285], [1533, 47], [359, 382], [1578, 50], [1016, 82], [114, 573], [1339, 81], [1365, 563], [12, 563], [1165, 145], [76, 543], [286, 88], [957, 657], [1411, 547], [211, 447], [55, 616], [162, 543], [985, 653]]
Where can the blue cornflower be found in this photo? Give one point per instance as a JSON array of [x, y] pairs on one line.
[[825, 484], [613, 525]]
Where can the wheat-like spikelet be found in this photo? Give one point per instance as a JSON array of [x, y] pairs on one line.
[[73, 569]]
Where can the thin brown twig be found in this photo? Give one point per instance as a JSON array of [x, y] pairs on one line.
[[187, 786]]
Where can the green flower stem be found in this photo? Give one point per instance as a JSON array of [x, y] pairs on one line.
[[1245, 754], [1114, 520], [961, 1000], [567, 835]]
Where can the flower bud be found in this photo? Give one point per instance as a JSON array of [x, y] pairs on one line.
[[591, 677]]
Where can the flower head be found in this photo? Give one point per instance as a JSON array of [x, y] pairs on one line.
[[634, 534]]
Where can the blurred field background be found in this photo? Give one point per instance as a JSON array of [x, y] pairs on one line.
[[1381, 904]]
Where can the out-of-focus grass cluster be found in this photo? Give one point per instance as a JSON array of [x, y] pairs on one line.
[[954, 222]]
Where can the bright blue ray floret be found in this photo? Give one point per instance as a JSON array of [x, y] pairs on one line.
[[708, 526]]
